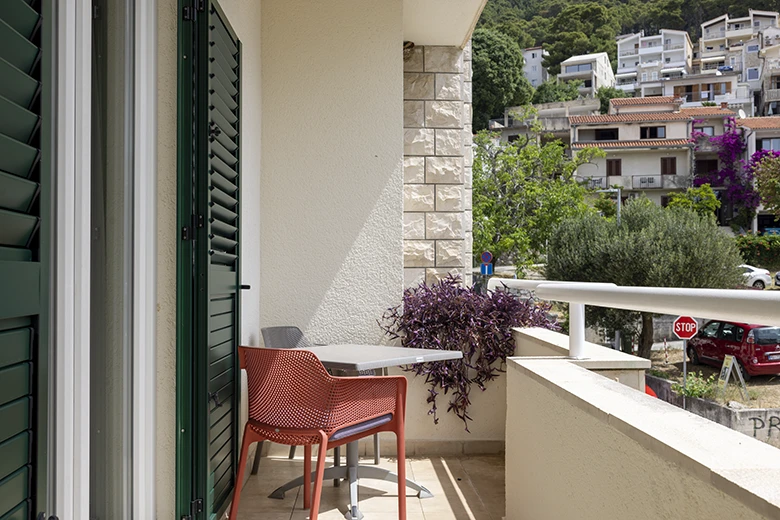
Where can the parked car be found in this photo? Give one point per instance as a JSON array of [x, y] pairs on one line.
[[755, 277], [756, 347], [777, 278]]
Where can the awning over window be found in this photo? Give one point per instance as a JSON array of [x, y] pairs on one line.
[[672, 70], [712, 60], [625, 75]]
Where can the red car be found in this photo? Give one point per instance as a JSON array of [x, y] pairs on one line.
[[756, 347]]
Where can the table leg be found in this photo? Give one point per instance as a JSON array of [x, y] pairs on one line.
[[332, 472], [352, 463]]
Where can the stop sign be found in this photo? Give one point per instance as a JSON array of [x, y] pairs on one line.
[[685, 327]]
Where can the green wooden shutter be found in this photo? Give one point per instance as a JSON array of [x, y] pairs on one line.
[[210, 239], [23, 266]]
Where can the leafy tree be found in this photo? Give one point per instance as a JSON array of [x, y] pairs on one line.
[[562, 46], [652, 247], [702, 200], [605, 205], [553, 90], [767, 173], [522, 190], [498, 79], [605, 94]]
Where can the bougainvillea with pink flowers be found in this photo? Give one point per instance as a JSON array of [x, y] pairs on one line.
[[735, 176]]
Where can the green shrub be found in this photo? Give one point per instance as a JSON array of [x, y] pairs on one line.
[[697, 385], [761, 251]]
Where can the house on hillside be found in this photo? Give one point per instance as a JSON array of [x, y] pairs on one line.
[[533, 69], [647, 142], [761, 133], [553, 117], [645, 62], [594, 70]]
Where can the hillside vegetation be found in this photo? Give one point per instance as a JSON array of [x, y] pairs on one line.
[[569, 28]]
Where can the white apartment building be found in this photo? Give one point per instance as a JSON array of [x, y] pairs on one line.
[[733, 44], [761, 133], [723, 87], [644, 62], [533, 69], [553, 117], [594, 70], [647, 141]]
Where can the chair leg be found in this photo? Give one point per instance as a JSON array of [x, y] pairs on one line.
[[376, 449], [315, 503], [292, 453], [249, 437], [307, 476], [256, 463], [401, 449], [337, 463]]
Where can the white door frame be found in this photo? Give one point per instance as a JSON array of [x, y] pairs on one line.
[[70, 432], [72, 241]]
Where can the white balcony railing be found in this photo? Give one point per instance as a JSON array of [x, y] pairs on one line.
[[673, 46], [646, 182], [772, 94]]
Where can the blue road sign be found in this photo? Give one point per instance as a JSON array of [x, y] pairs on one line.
[[486, 269], [487, 257]]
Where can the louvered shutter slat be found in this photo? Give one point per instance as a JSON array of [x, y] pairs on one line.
[[19, 16], [16, 49]]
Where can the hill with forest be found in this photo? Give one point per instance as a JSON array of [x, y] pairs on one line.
[[568, 28]]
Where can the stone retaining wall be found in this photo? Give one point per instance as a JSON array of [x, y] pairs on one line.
[[437, 164], [760, 423]]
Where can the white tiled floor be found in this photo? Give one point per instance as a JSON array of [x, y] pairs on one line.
[[464, 488]]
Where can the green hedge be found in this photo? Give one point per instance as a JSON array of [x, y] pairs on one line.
[[760, 251]]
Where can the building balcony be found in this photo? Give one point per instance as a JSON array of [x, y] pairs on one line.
[[772, 95], [650, 63], [674, 46], [672, 182], [646, 182], [651, 49], [630, 52], [628, 86], [745, 33]]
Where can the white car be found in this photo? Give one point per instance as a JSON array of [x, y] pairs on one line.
[[755, 277]]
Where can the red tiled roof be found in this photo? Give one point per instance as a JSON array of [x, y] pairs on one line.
[[644, 143], [653, 100], [637, 117], [760, 122]]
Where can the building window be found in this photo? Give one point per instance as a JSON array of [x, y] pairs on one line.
[[512, 138], [614, 167], [708, 130], [587, 83], [668, 60], [533, 55], [769, 144], [706, 166], [752, 74], [579, 68], [533, 68], [655, 75], [668, 165], [606, 134], [752, 48], [652, 132], [756, 24], [644, 76]]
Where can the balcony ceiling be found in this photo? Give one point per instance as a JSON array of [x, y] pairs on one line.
[[441, 22]]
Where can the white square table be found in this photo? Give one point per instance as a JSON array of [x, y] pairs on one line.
[[358, 358]]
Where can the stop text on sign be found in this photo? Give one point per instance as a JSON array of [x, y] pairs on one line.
[[685, 327]]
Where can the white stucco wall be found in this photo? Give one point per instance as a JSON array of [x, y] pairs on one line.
[[330, 221]]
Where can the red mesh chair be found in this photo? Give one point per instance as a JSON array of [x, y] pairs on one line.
[[294, 401]]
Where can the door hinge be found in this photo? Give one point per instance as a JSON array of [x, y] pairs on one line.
[[188, 232], [196, 507], [188, 14]]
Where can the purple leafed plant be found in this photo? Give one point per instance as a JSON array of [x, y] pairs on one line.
[[448, 316]]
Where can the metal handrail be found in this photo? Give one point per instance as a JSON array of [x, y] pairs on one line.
[[744, 306]]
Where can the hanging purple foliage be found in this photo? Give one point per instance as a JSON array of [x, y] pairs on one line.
[[734, 175], [448, 316]]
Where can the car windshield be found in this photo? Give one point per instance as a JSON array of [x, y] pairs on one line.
[[767, 335]]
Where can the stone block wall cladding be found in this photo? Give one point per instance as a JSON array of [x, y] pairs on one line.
[[437, 164]]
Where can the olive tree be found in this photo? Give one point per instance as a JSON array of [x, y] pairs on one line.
[[651, 247]]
